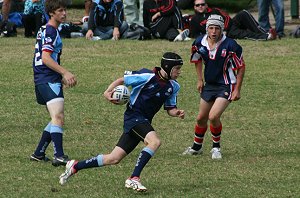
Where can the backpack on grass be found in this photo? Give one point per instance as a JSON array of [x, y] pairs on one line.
[[138, 32], [296, 32], [8, 29]]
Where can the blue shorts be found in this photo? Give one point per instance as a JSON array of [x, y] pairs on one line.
[[132, 119], [47, 92], [211, 92]]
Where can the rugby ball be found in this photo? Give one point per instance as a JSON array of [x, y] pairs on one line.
[[121, 94]]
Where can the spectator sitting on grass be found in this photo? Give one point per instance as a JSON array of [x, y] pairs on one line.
[[164, 19], [106, 21]]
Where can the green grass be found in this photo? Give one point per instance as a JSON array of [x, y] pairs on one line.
[[260, 141]]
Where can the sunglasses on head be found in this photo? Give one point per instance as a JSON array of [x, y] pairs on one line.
[[200, 4]]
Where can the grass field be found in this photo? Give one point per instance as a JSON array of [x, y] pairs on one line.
[[260, 141]]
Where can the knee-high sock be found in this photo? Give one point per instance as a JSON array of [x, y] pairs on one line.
[[57, 138], [142, 160], [198, 139], [44, 141], [216, 135], [89, 163]]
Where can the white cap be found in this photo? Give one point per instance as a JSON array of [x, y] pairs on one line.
[[215, 19]]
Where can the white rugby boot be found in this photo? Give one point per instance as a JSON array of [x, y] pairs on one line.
[[190, 151], [216, 153], [63, 178], [135, 184]]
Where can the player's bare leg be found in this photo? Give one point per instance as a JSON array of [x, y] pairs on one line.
[[200, 128], [216, 126], [56, 111]]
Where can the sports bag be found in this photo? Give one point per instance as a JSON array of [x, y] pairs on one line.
[[138, 32], [296, 32]]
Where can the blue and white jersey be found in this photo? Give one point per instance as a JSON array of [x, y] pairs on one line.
[[149, 92], [48, 40], [220, 62]]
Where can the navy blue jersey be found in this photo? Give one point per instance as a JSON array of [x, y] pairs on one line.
[[48, 39], [221, 62], [149, 93], [106, 14]]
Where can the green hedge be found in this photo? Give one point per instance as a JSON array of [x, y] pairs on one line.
[[232, 5], [229, 5], [79, 3]]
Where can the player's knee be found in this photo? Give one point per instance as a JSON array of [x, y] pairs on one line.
[[58, 119], [201, 120], [155, 143], [214, 118]]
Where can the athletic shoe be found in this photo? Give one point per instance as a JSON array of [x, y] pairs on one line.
[[96, 38], [36, 158], [216, 153], [135, 184], [182, 36], [185, 33], [60, 161], [190, 151], [63, 178], [272, 34], [76, 35], [187, 39]]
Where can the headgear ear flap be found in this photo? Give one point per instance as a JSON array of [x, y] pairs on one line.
[[170, 60]]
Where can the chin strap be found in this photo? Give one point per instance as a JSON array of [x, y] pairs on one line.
[[166, 79]]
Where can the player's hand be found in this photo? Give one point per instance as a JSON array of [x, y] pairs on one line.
[[89, 35], [180, 113], [116, 34], [69, 80], [235, 95], [200, 85], [108, 95]]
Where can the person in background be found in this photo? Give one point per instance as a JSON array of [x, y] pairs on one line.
[[242, 26], [8, 26], [263, 15], [106, 20], [34, 17], [6, 6], [49, 79], [133, 11], [151, 89], [164, 19], [223, 74]]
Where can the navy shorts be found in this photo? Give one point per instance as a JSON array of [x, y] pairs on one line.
[[128, 141], [47, 92], [211, 92]]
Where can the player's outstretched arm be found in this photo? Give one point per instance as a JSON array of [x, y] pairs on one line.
[[176, 113]]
